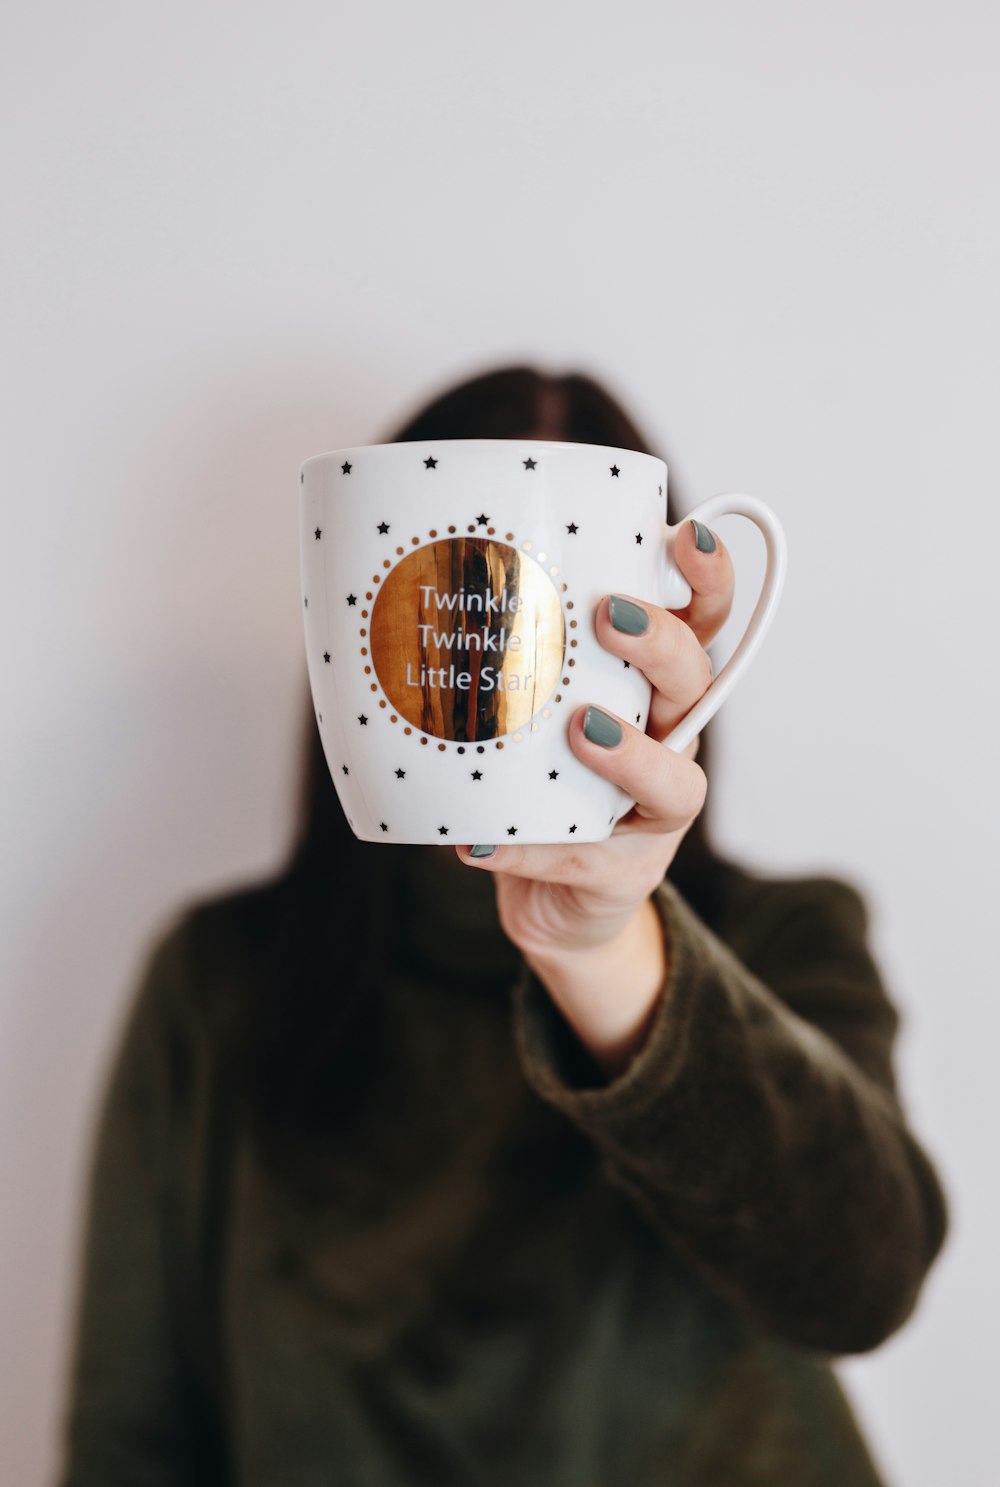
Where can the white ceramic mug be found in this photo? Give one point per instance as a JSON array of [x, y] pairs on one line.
[[449, 590]]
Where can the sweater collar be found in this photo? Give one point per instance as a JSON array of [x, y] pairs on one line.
[[445, 919]]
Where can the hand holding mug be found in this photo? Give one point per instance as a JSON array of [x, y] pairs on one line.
[[580, 896], [583, 915], [468, 593]]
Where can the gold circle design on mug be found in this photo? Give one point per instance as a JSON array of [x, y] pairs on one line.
[[524, 549]]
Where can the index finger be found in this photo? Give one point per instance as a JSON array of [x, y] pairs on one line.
[[702, 557]]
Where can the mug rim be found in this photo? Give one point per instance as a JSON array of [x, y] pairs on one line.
[[547, 444]]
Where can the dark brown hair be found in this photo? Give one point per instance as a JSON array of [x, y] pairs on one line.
[[316, 1036]]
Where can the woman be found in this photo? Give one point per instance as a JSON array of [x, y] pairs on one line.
[[580, 1175]]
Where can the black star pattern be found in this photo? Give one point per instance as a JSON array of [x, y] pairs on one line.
[[302, 478], [615, 471], [571, 830], [512, 831], [383, 527], [307, 603], [477, 774], [572, 529], [529, 464], [627, 665], [346, 467], [319, 533], [483, 521], [659, 490], [383, 826], [345, 769], [430, 463], [352, 599], [401, 774], [638, 538], [638, 716], [363, 721], [442, 831], [326, 657], [553, 774]]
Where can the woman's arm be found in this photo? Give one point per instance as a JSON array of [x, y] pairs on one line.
[[757, 1126], [135, 1413], [750, 1111], [612, 1029]]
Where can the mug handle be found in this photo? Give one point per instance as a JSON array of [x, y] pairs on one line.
[[676, 594]]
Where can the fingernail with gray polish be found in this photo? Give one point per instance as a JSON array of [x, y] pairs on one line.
[[482, 851], [627, 617], [601, 728], [704, 540]]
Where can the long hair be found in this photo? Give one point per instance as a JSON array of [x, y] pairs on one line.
[[316, 1035]]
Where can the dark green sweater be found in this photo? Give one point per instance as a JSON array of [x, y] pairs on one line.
[[519, 1274]]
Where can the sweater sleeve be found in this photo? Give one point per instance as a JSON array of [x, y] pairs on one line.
[[758, 1128], [134, 1414]]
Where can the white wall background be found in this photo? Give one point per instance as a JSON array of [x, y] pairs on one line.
[[236, 235]]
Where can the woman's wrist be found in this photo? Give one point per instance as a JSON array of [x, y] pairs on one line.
[[609, 993]]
